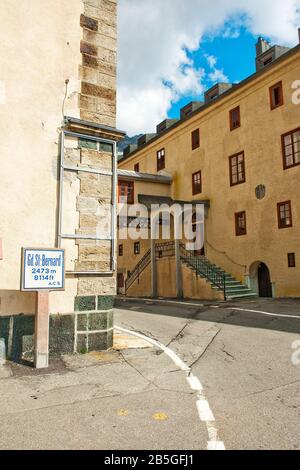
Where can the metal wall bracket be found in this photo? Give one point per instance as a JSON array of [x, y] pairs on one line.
[[113, 174]]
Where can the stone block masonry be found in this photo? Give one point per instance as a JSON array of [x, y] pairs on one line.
[[93, 319], [90, 328], [99, 57]]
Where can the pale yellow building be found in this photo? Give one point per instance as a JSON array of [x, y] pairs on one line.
[[239, 151]]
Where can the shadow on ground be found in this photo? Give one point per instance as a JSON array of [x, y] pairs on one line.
[[225, 312]]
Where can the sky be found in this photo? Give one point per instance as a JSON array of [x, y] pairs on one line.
[[171, 51]]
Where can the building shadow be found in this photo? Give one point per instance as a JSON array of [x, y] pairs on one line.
[[226, 313], [18, 332]]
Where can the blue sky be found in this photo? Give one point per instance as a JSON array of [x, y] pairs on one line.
[[235, 57], [171, 51]]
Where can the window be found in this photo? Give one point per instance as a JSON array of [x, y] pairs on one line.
[[137, 167], [284, 214], [235, 118], [291, 149], [196, 139], [161, 164], [121, 251], [126, 192], [276, 95], [240, 224], [137, 248], [94, 145], [291, 260], [237, 169], [197, 183], [195, 223]]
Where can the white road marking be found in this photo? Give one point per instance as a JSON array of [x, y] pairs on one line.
[[214, 306], [194, 383], [262, 312], [216, 445], [163, 301], [204, 410]]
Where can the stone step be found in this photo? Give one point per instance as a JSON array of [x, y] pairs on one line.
[[234, 288], [242, 290], [243, 296]]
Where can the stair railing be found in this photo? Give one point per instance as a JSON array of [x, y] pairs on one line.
[[204, 268], [138, 270]]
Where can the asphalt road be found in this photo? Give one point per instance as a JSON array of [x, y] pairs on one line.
[[243, 359], [138, 396]]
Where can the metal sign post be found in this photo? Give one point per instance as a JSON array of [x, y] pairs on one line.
[[43, 270]]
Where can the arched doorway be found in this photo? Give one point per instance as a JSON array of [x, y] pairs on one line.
[[260, 279], [264, 281]]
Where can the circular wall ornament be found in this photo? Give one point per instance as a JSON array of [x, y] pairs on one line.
[[260, 191]]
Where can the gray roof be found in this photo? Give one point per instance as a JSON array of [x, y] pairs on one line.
[[133, 175], [231, 91], [148, 200]]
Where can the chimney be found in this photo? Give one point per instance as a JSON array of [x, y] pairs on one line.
[[166, 124], [262, 46]]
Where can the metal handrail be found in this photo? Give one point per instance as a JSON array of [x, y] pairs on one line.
[[138, 270], [204, 268], [226, 255]]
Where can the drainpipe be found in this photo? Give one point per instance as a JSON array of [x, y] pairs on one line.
[[153, 270], [179, 288]]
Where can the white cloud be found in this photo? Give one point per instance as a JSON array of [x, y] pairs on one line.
[[218, 76], [211, 60], [156, 36]]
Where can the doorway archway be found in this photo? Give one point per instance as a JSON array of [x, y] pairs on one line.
[[264, 281], [260, 279]]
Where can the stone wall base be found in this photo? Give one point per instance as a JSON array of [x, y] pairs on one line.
[[89, 328]]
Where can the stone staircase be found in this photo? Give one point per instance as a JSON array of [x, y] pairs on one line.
[[218, 278]]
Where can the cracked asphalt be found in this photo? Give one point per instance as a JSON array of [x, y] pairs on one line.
[[243, 360], [136, 398]]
